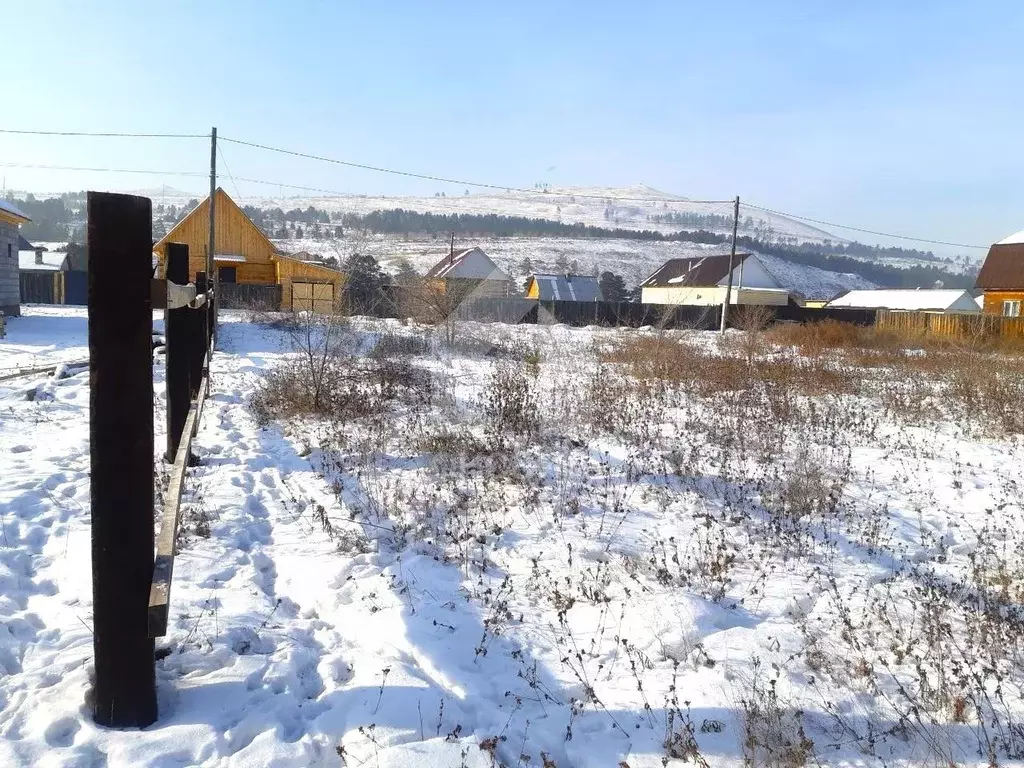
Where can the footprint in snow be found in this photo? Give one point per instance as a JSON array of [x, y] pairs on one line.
[[61, 732]]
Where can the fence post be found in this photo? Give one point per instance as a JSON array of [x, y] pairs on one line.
[[178, 331], [199, 337], [121, 452]]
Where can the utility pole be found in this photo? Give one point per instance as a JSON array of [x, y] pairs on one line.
[[732, 262], [211, 267]]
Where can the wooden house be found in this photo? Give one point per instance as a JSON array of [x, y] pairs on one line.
[[702, 281], [469, 273], [564, 288], [1002, 277], [243, 254], [10, 282]]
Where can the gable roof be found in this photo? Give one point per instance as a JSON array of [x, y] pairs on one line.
[[223, 199], [567, 288], [12, 211], [25, 245], [938, 300], [471, 263], [703, 271], [1004, 266]]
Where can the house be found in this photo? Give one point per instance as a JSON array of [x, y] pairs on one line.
[[36, 258], [10, 283], [944, 301], [1002, 277], [243, 254], [564, 288], [702, 281], [469, 273]]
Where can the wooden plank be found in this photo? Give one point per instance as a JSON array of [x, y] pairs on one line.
[[163, 569]]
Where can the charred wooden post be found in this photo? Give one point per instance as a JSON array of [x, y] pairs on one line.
[[121, 448], [178, 330]]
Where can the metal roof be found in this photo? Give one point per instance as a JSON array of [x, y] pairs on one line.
[[1003, 269], [693, 271], [567, 288], [53, 261], [10, 208], [922, 300]]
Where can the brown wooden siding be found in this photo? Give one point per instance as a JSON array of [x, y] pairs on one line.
[[953, 326], [994, 300]]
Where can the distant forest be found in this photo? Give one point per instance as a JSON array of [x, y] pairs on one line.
[[62, 218]]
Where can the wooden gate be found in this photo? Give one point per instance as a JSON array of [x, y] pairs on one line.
[[315, 297]]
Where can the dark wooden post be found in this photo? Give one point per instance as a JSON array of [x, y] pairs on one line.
[[178, 329], [121, 447], [200, 336]]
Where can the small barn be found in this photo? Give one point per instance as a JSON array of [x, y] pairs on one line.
[[469, 273], [948, 301], [10, 283], [244, 255], [702, 281], [42, 275], [1002, 277], [564, 288]]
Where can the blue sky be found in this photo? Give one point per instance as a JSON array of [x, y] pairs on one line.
[[905, 117]]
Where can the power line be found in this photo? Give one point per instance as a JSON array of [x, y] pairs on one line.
[[110, 135], [100, 170], [865, 231], [226, 168], [460, 182]]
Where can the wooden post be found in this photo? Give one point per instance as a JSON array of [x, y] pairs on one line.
[[121, 450], [211, 250], [178, 330], [732, 263], [199, 338]]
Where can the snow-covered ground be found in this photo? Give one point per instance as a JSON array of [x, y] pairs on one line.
[[524, 557]]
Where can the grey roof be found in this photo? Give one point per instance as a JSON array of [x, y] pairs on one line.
[[53, 261], [568, 288], [12, 209]]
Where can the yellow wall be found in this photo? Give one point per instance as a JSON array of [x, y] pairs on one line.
[[711, 296], [994, 300], [235, 233], [534, 290]]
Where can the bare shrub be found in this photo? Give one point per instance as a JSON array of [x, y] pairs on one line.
[[510, 400], [773, 733]]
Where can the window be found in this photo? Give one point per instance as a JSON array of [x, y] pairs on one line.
[[1011, 309], [9, 254]]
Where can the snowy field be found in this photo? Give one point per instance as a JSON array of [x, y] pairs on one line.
[[540, 546]]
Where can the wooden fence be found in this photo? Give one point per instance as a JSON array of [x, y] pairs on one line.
[[249, 296], [631, 315], [69, 287], [131, 586], [980, 327]]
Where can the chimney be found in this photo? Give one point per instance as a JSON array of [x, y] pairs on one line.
[[39, 255], [451, 250]]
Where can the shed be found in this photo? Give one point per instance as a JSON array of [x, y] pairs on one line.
[[11, 217], [244, 254], [703, 281], [945, 301], [564, 288]]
